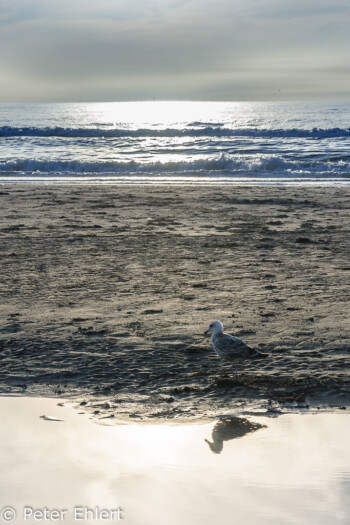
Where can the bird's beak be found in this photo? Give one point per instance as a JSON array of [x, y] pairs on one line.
[[207, 332]]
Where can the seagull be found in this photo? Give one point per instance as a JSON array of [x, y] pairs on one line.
[[228, 347], [230, 427]]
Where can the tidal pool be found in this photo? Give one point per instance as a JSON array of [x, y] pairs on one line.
[[294, 469]]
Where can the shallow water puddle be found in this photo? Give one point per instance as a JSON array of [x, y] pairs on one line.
[[293, 469]]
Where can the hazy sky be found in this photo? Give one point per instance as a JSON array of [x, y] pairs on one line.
[[106, 50]]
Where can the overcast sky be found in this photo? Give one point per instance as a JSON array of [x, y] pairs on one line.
[[106, 50]]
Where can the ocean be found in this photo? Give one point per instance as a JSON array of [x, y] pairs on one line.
[[181, 142]]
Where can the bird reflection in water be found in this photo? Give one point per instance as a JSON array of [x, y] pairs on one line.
[[230, 428]]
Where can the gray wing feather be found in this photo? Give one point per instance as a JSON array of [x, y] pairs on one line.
[[230, 347]]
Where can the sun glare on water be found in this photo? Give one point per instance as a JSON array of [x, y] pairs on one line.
[[162, 114]]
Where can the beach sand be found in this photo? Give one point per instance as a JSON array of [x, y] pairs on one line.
[[293, 470], [107, 291]]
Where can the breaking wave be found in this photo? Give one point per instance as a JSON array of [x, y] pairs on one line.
[[193, 130], [262, 166]]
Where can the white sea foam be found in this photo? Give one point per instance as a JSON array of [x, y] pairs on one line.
[[233, 166]]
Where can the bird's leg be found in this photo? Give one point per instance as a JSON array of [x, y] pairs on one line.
[[236, 368]]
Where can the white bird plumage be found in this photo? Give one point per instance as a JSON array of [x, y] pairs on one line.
[[228, 347]]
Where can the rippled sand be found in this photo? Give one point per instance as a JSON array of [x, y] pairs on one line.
[[107, 292]]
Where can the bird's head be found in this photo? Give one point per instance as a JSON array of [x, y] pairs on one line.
[[216, 446], [216, 327]]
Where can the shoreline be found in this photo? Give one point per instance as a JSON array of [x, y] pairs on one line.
[[173, 181], [108, 290], [106, 416]]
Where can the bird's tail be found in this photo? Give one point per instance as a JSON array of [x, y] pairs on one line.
[[257, 354]]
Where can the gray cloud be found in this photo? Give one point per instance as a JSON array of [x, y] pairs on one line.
[[222, 49], [274, 9]]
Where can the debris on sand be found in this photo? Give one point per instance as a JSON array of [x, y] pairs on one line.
[[51, 418]]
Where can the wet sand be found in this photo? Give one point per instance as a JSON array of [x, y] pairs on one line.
[[294, 469], [108, 290]]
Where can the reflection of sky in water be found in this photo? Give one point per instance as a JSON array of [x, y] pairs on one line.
[[296, 470]]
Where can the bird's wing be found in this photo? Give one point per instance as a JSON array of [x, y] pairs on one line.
[[235, 340], [232, 346]]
